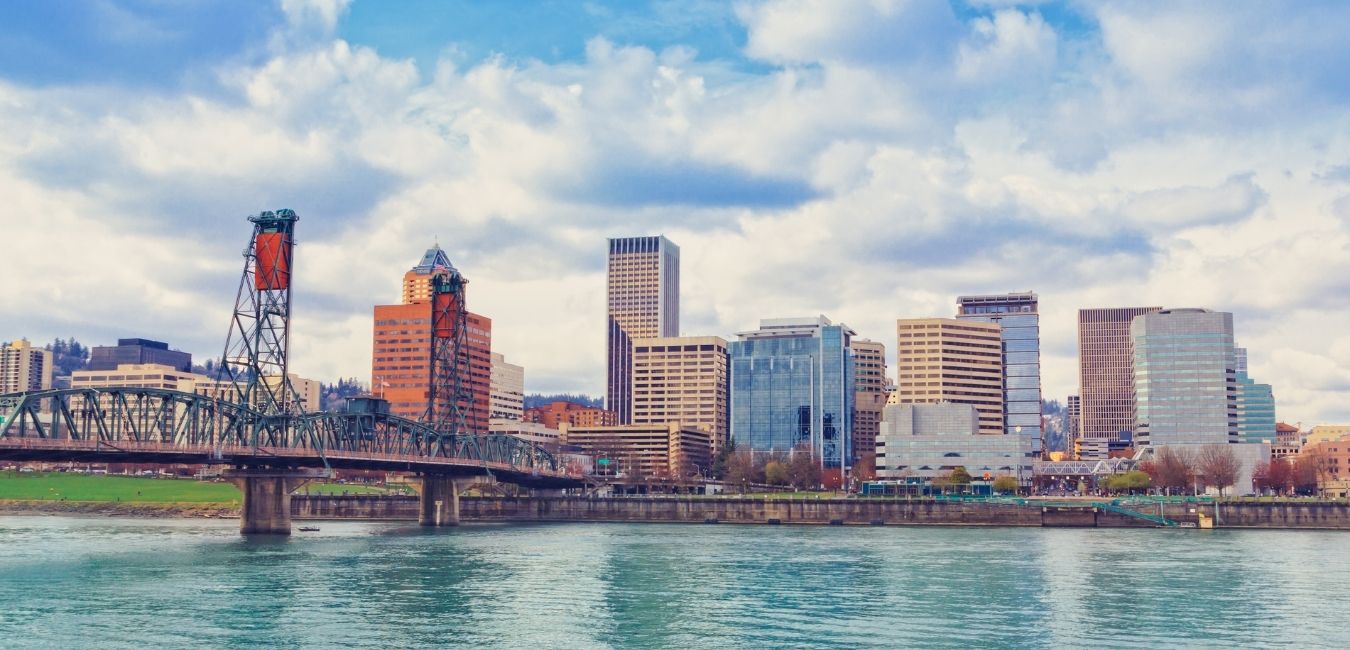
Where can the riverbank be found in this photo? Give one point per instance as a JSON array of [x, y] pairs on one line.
[[1310, 515], [118, 508]]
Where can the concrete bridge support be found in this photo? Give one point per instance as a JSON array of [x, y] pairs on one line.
[[438, 503], [267, 497]]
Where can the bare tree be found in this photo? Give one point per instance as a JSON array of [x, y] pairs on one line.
[[1218, 465], [803, 469], [742, 469], [1309, 471], [1174, 468]]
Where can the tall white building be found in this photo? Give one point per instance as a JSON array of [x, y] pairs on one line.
[[24, 368], [506, 396]]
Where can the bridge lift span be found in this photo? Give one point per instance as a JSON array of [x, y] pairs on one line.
[[255, 421]]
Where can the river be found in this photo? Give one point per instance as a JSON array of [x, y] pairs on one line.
[[191, 583]]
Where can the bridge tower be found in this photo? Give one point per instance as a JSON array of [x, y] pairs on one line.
[[448, 391], [256, 366], [256, 360]]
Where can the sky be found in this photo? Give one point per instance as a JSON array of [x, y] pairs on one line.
[[863, 159]]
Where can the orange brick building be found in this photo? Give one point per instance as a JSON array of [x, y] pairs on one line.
[[576, 415], [401, 362]]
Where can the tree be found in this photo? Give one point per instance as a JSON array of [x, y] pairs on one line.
[[1280, 476], [866, 468], [1005, 484], [1174, 467], [1132, 482], [1218, 465], [960, 476], [719, 468], [775, 473], [804, 469], [1307, 471], [742, 470]]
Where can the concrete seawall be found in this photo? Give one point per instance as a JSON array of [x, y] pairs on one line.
[[1312, 515]]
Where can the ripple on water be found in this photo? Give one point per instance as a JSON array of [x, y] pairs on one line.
[[178, 583]]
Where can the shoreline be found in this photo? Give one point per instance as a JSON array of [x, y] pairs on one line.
[[120, 509]]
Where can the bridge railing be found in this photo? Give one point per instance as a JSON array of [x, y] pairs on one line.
[[175, 420]]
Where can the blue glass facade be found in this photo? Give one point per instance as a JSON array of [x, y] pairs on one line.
[[1017, 314], [1185, 386], [792, 385], [1255, 409]]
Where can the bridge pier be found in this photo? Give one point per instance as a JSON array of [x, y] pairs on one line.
[[267, 497], [438, 503]]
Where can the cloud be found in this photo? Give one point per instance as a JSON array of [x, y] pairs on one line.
[[868, 161]]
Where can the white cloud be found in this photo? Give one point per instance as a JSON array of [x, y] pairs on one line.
[[881, 170]]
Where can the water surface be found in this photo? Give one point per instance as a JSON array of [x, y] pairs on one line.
[[132, 583]]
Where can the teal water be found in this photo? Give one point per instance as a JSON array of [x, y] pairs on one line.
[[132, 583]]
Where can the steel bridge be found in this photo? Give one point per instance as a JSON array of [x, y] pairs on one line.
[[145, 425]]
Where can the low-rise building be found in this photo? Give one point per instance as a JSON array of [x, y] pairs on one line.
[[1332, 455], [307, 391], [529, 431], [1326, 432], [932, 440], [642, 452], [554, 414], [138, 375]]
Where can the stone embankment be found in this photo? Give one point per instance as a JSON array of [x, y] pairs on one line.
[[118, 509], [876, 512]]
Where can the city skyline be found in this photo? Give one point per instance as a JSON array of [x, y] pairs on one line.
[[783, 200]]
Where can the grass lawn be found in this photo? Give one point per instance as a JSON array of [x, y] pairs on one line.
[[54, 486]]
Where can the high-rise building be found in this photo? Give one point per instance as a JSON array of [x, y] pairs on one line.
[[507, 391], [24, 368], [949, 360], [792, 386], [871, 388], [1074, 421], [643, 302], [1255, 410], [401, 363], [682, 379], [1185, 386], [1018, 315], [1105, 378], [138, 351]]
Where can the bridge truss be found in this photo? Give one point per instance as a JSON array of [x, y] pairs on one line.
[[159, 425]]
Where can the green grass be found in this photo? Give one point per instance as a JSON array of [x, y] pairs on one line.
[[55, 486]]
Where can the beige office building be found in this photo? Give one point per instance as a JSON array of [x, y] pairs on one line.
[[24, 368], [138, 375], [871, 391], [641, 452], [307, 391], [1105, 377], [683, 380], [643, 301], [506, 395], [954, 361]]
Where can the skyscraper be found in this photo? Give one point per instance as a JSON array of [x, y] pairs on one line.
[[1017, 315], [507, 393], [1105, 377], [682, 379], [401, 359], [643, 302], [24, 368], [947, 360], [870, 386], [1185, 386], [792, 385]]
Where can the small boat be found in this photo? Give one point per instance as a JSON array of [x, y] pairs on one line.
[[309, 529]]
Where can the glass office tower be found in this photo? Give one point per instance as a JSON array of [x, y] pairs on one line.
[[1185, 386], [792, 385], [1017, 314]]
